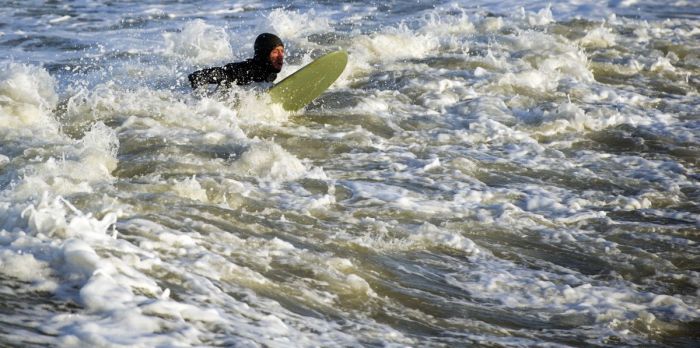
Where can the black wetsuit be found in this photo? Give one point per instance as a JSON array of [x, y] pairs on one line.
[[241, 73], [258, 69]]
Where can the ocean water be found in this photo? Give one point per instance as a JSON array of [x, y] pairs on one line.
[[484, 173]]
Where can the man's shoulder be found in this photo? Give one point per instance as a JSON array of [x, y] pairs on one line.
[[248, 71], [244, 64]]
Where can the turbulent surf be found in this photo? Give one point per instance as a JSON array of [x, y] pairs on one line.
[[482, 174]]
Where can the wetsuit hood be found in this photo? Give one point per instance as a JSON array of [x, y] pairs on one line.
[[264, 44]]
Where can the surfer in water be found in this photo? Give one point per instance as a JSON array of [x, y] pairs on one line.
[[263, 67]]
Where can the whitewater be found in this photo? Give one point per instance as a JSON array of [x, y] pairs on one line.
[[483, 173]]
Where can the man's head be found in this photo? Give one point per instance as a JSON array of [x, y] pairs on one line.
[[270, 50]]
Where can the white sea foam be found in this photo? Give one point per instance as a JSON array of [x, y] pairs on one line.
[[110, 102], [484, 158], [541, 18], [588, 303], [598, 38], [24, 267], [199, 42], [190, 188], [255, 107], [396, 44], [431, 234], [90, 162], [65, 239], [27, 96], [269, 161], [296, 25]]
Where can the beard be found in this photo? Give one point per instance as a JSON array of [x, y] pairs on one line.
[[275, 69]]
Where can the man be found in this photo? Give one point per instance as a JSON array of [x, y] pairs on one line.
[[264, 67]]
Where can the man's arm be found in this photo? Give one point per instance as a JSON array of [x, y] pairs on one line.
[[202, 77], [241, 73]]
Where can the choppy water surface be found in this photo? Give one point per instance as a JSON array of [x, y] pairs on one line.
[[482, 174]]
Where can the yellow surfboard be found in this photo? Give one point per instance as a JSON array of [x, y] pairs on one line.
[[303, 86]]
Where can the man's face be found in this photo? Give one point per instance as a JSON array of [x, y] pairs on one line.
[[277, 57]]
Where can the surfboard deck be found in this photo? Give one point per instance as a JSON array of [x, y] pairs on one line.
[[307, 83]]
